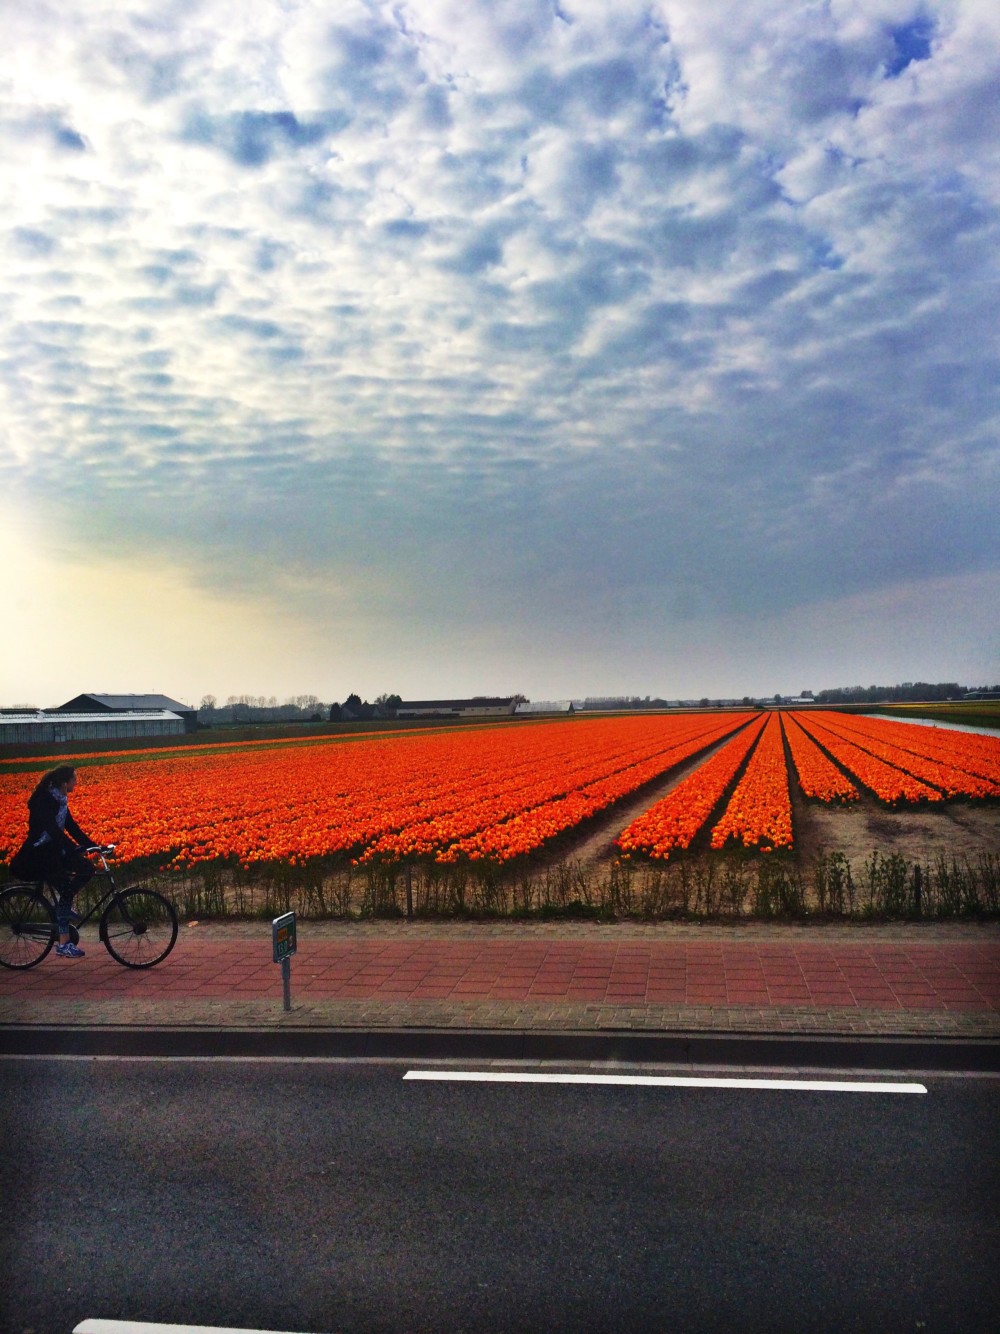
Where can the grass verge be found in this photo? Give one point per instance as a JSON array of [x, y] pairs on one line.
[[733, 887]]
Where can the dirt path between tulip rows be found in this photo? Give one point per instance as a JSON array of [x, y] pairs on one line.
[[922, 833]]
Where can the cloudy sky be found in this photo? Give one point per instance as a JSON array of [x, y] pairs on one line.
[[473, 346]]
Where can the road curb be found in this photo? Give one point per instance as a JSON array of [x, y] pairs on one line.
[[976, 1055]]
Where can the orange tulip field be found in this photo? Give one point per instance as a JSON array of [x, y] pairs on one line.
[[497, 793]]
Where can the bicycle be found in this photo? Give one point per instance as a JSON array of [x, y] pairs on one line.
[[138, 927]]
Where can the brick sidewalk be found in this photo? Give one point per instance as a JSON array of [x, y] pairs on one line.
[[887, 980]]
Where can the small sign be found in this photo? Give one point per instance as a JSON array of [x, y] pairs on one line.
[[283, 936]]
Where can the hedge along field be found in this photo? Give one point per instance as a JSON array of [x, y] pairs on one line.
[[455, 809]]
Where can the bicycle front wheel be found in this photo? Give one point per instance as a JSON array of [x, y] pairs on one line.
[[139, 927], [27, 927]]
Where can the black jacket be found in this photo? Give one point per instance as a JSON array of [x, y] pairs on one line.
[[33, 856], [43, 807]]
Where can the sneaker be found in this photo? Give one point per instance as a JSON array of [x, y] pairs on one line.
[[70, 951]]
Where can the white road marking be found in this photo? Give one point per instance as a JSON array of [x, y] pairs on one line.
[[666, 1081], [142, 1327]]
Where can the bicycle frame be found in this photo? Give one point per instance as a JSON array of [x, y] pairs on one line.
[[51, 894]]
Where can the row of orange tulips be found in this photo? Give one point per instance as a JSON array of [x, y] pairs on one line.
[[968, 752], [945, 777], [675, 821], [889, 783], [818, 776], [501, 818], [140, 752], [899, 763], [759, 813], [527, 830]]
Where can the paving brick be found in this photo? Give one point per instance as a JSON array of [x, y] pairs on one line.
[[896, 978]]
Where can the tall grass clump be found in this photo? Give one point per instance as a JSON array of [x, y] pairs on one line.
[[833, 884]]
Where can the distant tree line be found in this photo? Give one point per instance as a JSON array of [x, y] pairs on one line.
[[309, 708], [296, 709], [909, 691], [260, 709], [356, 709]]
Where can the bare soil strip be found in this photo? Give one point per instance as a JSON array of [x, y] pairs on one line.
[[921, 833], [594, 845]]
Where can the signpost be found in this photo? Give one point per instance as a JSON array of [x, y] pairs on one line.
[[283, 943]]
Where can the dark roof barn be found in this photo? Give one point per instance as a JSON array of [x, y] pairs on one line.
[[91, 703]]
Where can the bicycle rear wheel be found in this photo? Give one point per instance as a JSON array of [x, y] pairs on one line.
[[27, 927], [139, 927]]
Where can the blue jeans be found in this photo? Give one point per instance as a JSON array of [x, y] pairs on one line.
[[67, 870], [64, 906]]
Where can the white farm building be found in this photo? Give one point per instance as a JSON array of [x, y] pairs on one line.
[[481, 706], [98, 718]]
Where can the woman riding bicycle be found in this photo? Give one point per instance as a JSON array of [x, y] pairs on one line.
[[52, 850]]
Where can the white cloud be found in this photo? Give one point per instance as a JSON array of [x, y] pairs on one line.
[[504, 303]]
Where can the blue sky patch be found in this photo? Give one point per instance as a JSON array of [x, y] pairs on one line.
[[911, 41]]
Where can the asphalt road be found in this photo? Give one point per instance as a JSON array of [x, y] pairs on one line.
[[337, 1196]]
